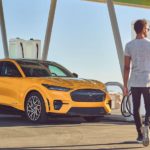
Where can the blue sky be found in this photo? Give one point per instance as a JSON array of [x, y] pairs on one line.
[[82, 38]]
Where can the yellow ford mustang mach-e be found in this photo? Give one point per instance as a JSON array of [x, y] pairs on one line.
[[39, 88]]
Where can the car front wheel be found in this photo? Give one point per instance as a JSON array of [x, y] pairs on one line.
[[35, 108]]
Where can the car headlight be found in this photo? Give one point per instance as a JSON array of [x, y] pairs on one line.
[[56, 88]]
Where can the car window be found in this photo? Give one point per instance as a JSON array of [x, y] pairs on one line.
[[34, 69], [1, 65], [55, 71], [10, 70]]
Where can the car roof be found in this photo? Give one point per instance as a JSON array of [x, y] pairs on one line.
[[34, 61], [26, 60]]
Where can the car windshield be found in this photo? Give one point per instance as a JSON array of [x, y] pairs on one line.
[[34, 69], [57, 70]]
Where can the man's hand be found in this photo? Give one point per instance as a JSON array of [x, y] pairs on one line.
[[125, 91]]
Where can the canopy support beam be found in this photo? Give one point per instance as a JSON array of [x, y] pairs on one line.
[[116, 33], [3, 31], [49, 29]]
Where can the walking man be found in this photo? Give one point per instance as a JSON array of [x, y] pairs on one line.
[[137, 57]]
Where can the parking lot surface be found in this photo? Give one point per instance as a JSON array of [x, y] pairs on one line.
[[67, 133]]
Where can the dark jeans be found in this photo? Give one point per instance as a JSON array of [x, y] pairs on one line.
[[136, 97]]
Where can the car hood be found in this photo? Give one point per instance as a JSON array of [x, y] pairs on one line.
[[71, 82]]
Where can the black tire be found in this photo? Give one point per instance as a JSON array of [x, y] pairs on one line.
[[93, 118], [35, 108]]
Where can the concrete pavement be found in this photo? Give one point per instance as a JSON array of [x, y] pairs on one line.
[[68, 133]]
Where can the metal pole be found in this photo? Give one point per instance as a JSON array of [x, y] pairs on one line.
[[49, 29], [116, 33], [3, 30]]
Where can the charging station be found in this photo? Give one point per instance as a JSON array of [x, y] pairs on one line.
[[26, 49]]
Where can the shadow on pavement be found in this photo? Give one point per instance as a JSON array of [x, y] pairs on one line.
[[14, 120], [76, 147], [19, 121]]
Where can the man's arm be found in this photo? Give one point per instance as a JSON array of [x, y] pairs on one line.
[[127, 61]]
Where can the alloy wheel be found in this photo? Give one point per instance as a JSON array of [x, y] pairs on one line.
[[34, 108]]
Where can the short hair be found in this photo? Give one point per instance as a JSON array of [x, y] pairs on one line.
[[139, 25]]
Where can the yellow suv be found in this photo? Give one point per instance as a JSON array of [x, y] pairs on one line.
[[39, 88]]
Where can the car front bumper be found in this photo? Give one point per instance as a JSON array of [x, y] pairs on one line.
[[62, 103]]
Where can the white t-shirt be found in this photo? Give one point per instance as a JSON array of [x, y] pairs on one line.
[[139, 51]]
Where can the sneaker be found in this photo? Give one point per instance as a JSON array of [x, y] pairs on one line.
[[145, 131], [139, 139]]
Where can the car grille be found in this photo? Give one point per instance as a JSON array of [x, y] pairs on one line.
[[88, 95]]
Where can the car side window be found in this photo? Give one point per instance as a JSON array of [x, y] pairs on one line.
[[10, 70], [55, 71]]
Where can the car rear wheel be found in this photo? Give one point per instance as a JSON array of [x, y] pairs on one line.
[[35, 108], [93, 118]]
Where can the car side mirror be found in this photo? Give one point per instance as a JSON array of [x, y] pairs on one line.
[[75, 75]]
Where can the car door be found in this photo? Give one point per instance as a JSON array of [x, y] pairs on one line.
[[10, 83]]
